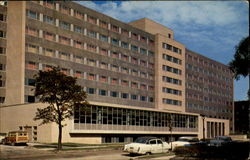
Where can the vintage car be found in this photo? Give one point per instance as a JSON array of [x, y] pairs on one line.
[[16, 137], [147, 145], [219, 141], [184, 141]]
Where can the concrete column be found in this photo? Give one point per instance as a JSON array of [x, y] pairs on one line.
[[85, 31], [71, 72], [109, 26], [40, 51], [40, 66], [85, 17], [57, 7], [57, 54], [40, 34], [57, 22], [71, 27], [57, 38], [97, 21], [71, 12], [41, 17], [71, 57], [97, 49], [109, 40]]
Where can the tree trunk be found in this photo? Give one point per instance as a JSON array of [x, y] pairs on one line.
[[59, 144]]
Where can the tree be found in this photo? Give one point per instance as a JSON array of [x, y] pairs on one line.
[[61, 93], [240, 65]]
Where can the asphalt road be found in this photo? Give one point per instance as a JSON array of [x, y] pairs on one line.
[[31, 153]]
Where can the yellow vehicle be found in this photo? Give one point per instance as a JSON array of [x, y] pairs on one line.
[[16, 137]]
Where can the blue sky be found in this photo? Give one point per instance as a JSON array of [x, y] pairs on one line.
[[211, 28]]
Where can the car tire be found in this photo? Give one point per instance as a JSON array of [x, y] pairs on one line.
[[148, 153], [12, 144]]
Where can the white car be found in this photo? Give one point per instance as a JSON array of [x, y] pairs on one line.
[[184, 141], [147, 145]]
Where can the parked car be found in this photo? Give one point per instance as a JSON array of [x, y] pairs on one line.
[[219, 141], [147, 145], [184, 141], [2, 136], [16, 137]]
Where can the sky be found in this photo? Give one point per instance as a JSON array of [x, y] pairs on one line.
[[210, 28]]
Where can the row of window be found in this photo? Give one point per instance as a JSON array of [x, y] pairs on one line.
[[171, 80], [202, 61], [90, 19], [218, 92], [171, 48], [216, 109], [171, 91], [171, 59], [171, 102], [85, 46], [209, 99], [94, 77], [122, 116], [171, 69], [215, 83], [208, 72], [103, 92], [90, 33]]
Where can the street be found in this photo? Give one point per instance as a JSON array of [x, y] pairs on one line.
[[30, 153]]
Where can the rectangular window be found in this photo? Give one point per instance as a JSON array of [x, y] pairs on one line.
[[78, 44], [143, 63], [114, 28], [91, 48], [134, 36], [47, 67], [124, 57], [64, 40], [91, 62], [114, 81], [103, 51], [32, 31], [64, 9], [91, 34], [114, 68], [32, 14], [103, 24], [103, 38], [115, 55], [91, 76], [64, 56], [124, 83], [2, 50], [151, 65], [78, 29], [64, 25], [125, 70], [134, 72], [143, 74], [78, 59], [134, 85], [49, 4], [91, 19], [48, 52], [115, 42], [49, 20], [2, 83], [151, 53], [134, 48], [114, 94], [91, 90], [2, 34], [143, 98], [32, 48], [78, 14], [49, 36], [103, 92], [151, 42], [124, 95], [143, 86], [78, 74], [134, 60], [2, 17], [134, 97], [143, 51], [125, 32], [31, 66], [124, 45], [103, 79], [143, 39], [2, 67], [171, 101]]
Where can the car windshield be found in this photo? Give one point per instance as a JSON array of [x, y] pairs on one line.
[[141, 140]]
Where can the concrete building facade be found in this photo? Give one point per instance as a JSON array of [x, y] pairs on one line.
[[135, 74]]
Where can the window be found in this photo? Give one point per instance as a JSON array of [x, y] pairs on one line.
[[124, 45], [134, 97], [114, 28], [2, 34], [134, 72], [32, 14], [151, 42], [114, 94], [31, 48], [103, 92], [2, 50], [91, 48], [64, 25], [49, 52], [91, 76], [78, 59], [115, 55], [49, 36], [115, 42], [115, 68], [124, 57], [134, 60], [91, 90], [91, 19], [143, 51], [171, 101], [78, 74], [134, 48], [151, 53], [103, 51], [103, 24], [151, 88], [114, 81], [103, 79], [2, 67], [31, 31], [78, 29], [171, 91], [124, 95], [143, 86], [151, 65], [64, 56], [171, 59], [125, 70], [65, 71], [124, 83], [3, 17], [143, 98], [171, 80], [29, 99], [78, 14], [2, 99], [64, 40], [134, 85], [171, 69], [31, 65], [91, 34], [142, 63], [103, 38], [151, 99], [49, 4], [48, 19], [143, 74], [143, 39], [64, 9], [78, 44], [47, 67], [29, 82], [134, 36], [2, 83], [125, 32], [91, 62]]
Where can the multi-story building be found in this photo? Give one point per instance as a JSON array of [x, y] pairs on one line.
[[134, 73]]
